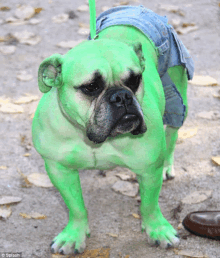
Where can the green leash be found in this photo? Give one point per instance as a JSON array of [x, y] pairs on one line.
[[92, 11]]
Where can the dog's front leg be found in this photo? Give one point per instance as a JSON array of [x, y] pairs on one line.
[[73, 237], [158, 229]]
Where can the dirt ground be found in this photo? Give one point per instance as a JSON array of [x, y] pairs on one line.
[[109, 212]]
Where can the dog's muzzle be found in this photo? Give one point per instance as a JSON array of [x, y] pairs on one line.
[[118, 113]]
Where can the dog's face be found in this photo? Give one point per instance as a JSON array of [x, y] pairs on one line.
[[99, 87]]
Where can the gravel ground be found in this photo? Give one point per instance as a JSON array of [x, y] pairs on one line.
[[109, 212]]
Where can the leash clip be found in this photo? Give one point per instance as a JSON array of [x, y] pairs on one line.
[[96, 36]]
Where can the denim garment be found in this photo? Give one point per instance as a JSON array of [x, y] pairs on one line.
[[171, 51]]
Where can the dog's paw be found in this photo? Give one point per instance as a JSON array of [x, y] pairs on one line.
[[71, 240], [161, 233], [168, 172]]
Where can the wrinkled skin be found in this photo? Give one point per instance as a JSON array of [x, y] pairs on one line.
[[120, 124]]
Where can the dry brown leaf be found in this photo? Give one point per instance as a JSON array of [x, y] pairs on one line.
[[83, 8], [191, 253], [35, 21], [216, 160], [26, 99], [24, 12], [36, 215], [10, 108], [96, 253], [211, 115], [60, 18], [25, 216], [84, 31], [27, 155], [69, 44], [5, 213], [84, 25], [126, 188], [123, 177], [112, 235], [136, 216], [27, 183], [3, 167], [203, 80], [185, 30], [27, 37], [5, 8], [197, 197], [7, 50], [38, 10], [40, 180], [121, 3], [24, 76], [187, 133], [9, 199], [4, 101], [187, 24], [105, 8]]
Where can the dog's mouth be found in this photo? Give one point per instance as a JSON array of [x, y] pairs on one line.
[[127, 123]]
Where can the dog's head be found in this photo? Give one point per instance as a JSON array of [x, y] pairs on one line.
[[99, 86]]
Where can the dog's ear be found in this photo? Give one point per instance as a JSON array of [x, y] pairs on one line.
[[49, 73], [138, 50]]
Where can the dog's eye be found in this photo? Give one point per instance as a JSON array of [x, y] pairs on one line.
[[133, 82], [91, 89]]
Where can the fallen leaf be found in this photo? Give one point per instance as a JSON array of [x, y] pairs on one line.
[[34, 21], [175, 22], [83, 8], [27, 183], [5, 8], [217, 95], [7, 50], [216, 160], [60, 18], [3, 167], [26, 99], [203, 80], [126, 188], [211, 115], [172, 9], [180, 226], [24, 76], [197, 197], [187, 24], [69, 44], [33, 215], [38, 10], [25, 216], [5, 213], [84, 31], [40, 180], [123, 177], [105, 8], [9, 199], [24, 12], [136, 216], [26, 37], [121, 3], [191, 253], [96, 253], [182, 31], [112, 235], [11, 108], [84, 25], [4, 101], [187, 133], [27, 155]]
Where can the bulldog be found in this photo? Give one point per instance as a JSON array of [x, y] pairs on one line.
[[104, 105]]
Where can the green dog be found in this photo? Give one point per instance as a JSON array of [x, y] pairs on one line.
[[103, 107]]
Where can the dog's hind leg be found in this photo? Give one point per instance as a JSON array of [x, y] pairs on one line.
[[179, 77]]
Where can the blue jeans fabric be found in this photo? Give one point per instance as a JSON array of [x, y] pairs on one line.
[[170, 51]]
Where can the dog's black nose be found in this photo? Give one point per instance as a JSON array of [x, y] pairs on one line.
[[121, 98]]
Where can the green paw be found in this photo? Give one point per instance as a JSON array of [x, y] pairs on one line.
[[161, 233], [168, 172], [71, 240]]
